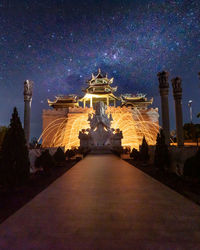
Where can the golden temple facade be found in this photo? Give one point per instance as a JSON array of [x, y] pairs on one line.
[[69, 115]]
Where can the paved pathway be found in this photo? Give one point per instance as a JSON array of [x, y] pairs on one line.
[[104, 203]]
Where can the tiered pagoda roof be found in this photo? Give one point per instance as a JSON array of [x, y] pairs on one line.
[[100, 84], [63, 101], [135, 100]]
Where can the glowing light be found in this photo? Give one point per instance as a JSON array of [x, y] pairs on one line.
[[134, 123]]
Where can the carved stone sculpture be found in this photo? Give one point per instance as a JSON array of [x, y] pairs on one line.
[[28, 90], [100, 133]]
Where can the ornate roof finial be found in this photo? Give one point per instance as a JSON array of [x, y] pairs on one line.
[[99, 70]]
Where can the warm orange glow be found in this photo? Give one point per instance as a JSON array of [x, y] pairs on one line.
[[134, 124]]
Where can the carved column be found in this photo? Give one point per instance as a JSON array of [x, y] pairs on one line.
[[114, 103], [84, 103], [164, 90], [177, 92], [28, 89]]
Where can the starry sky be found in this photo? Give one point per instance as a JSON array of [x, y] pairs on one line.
[[59, 43]]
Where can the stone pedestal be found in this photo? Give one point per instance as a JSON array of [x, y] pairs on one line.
[[164, 90], [177, 92], [28, 87]]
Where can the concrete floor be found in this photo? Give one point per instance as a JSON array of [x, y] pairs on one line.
[[104, 203]]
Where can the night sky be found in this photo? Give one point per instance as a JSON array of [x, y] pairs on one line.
[[58, 44]]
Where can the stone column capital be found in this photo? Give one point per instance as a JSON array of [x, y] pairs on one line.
[[177, 88], [163, 79], [28, 90]]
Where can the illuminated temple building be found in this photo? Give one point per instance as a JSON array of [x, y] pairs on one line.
[[69, 115]]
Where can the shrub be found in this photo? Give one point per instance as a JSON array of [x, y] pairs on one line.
[[59, 155], [135, 154], [192, 166], [144, 150], [161, 157], [45, 160], [70, 153]]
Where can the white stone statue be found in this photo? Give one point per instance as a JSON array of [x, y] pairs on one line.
[[100, 117], [100, 133]]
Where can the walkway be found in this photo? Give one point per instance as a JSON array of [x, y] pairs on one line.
[[104, 203]]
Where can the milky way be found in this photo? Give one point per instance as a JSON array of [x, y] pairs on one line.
[[58, 44]]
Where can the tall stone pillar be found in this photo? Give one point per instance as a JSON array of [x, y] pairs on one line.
[[177, 92], [28, 89], [164, 90]]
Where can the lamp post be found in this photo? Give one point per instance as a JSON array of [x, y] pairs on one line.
[[190, 108]]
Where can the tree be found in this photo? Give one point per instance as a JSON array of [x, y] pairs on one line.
[[161, 157], [59, 155], [15, 160], [144, 150]]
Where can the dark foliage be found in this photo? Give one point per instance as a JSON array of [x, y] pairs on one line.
[[84, 151], [191, 131], [161, 157], [15, 161], [135, 154], [45, 161], [70, 153], [192, 166], [3, 131], [59, 155], [144, 150]]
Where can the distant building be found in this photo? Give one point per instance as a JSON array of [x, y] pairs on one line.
[[62, 124]]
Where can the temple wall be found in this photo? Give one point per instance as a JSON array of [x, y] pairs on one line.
[[61, 127], [52, 120]]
